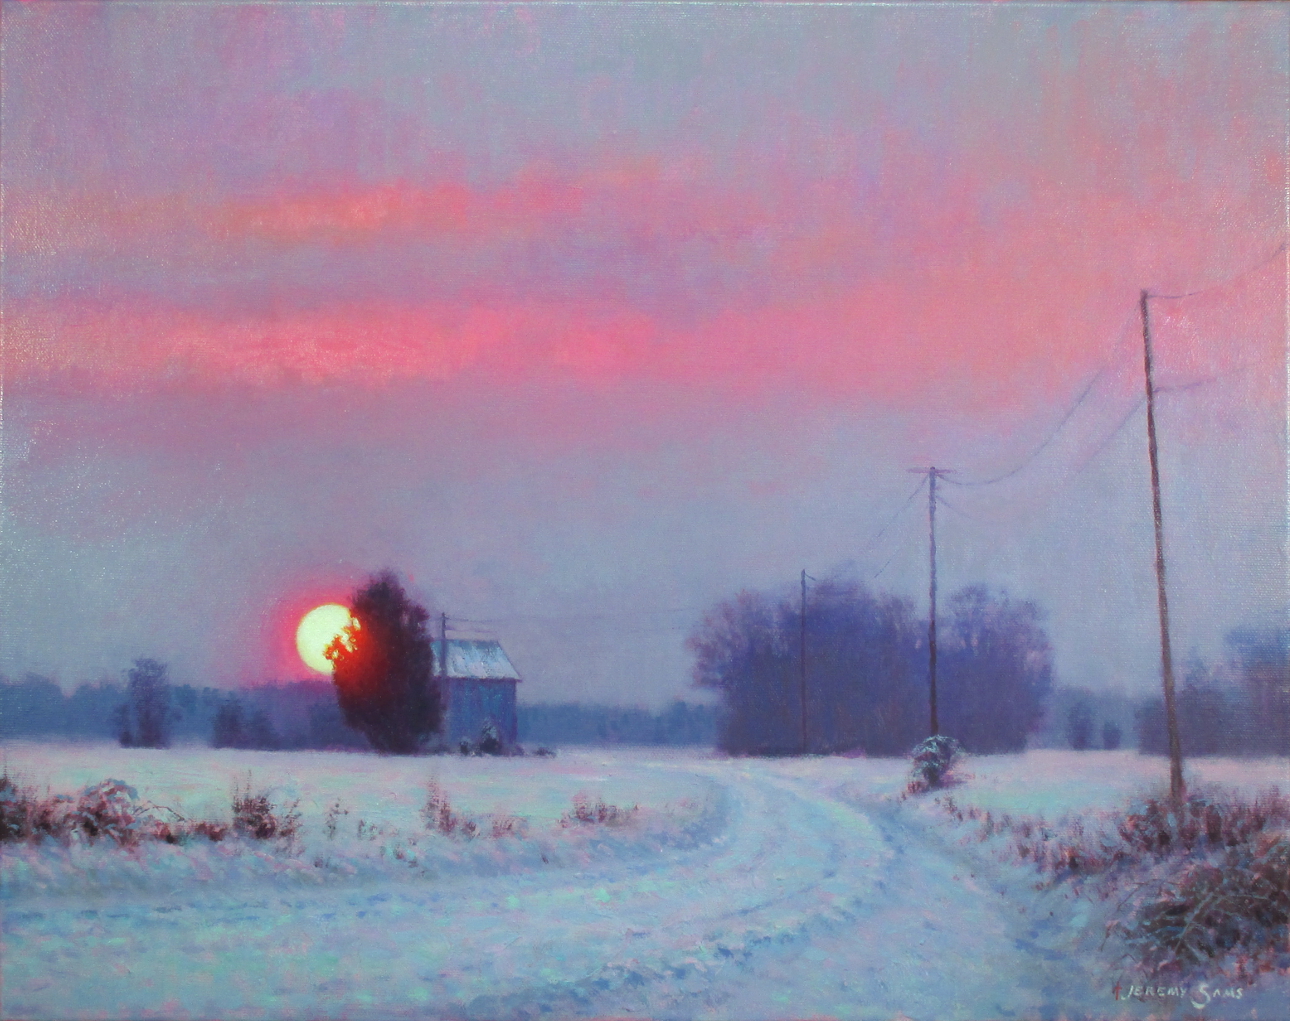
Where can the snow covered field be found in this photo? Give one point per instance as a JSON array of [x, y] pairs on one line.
[[739, 889]]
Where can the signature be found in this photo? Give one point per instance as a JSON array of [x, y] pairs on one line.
[[1201, 996]]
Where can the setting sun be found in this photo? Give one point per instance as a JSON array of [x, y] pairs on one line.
[[317, 629]]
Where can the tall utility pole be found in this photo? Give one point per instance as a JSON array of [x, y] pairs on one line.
[[803, 662], [932, 475], [1166, 654], [443, 648]]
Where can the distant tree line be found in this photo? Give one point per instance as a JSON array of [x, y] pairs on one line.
[[1086, 720], [148, 711], [304, 714], [867, 671], [866, 690], [1241, 707], [679, 724]]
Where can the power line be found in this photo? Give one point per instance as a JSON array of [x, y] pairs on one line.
[[1109, 363], [883, 530], [961, 513], [884, 567], [1106, 440], [1083, 395], [1227, 280], [542, 618]]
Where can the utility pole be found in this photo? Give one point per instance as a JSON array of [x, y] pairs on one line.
[[443, 648], [1176, 790], [932, 474], [803, 662]]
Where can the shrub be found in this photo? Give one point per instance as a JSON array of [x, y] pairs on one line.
[[109, 809], [1209, 910], [212, 831], [597, 814], [332, 819], [490, 743], [506, 826], [257, 818], [440, 817], [934, 761], [22, 813], [1215, 820]]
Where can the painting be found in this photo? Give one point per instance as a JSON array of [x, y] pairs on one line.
[[731, 511]]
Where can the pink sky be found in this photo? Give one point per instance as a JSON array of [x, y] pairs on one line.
[[558, 265]]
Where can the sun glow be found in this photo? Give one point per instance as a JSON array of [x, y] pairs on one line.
[[317, 629]]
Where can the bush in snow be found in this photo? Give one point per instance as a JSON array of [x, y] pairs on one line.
[[597, 814], [439, 816], [332, 819], [1209, 909], [257, 818], [489, 741], [110, 809], [25, 816], [934, 760]]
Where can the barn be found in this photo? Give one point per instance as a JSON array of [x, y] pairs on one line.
[[478, 688]]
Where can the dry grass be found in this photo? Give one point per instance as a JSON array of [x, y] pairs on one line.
[[440, 817], [255, 817], [597, 813], [112, 810], [1198, 885]]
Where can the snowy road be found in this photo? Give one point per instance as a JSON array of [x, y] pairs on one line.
[[798, 905]]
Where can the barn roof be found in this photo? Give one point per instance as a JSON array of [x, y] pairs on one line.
[[481, 660]]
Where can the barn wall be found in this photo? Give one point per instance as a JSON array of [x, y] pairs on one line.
[[472, 703]]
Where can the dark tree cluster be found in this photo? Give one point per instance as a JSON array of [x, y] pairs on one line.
[[867, 671], [382, 669], [1084, 719], [1081, 730], [1079, 725], [144, 719], [997, 666], [1242, 708], [574, 723], [235, 727]]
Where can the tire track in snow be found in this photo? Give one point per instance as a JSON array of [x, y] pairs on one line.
[[801, 905], [795, 864], [410, 949]]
